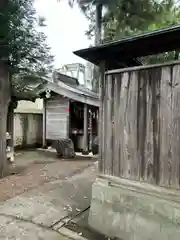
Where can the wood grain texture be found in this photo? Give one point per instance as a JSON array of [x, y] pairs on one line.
[[155, 76], [165, 126], [148, 149], [141, 125], [105, 128], [109, 130], [116, 132], [142, 122], [85, 129], [132, 123], [175, 144], [123, 126], [101, 123]]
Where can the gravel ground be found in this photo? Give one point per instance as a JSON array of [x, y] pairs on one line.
[[35, 169]]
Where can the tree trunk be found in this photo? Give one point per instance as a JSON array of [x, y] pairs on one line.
[[98, 26], [4, 102], [10, 124], [98, 29]]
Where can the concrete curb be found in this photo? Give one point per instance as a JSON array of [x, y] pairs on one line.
[[70, 234], [62, 231]]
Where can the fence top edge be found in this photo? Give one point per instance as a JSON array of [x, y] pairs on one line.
[[144, 67]]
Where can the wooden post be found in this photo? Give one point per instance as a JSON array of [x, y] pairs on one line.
[[91, 131], [10, 124], [85, 138], [4, 102], [101, 116], [44, 123], [10, 130]]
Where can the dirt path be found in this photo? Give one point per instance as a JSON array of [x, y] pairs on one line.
[[39, 169]]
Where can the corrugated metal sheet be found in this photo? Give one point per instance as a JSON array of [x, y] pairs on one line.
[[57, 118]]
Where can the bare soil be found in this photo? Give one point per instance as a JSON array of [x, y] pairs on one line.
[[34, 168]]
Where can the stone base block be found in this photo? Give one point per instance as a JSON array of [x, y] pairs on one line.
[[85, 152], [130, 210], [64, 148]]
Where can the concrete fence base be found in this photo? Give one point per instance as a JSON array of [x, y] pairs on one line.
[[134, 211]]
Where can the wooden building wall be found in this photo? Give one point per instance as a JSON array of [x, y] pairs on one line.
[[57, 118], [140, 130]]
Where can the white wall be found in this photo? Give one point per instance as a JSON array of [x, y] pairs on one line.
[[30, 107], [27, 129]]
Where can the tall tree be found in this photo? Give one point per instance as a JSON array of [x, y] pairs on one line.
[[132, 17], [29, 53], [129, 15], [120, 18], [160, 15], [4, 80], [124, 18], [28, 57], [93, 11]]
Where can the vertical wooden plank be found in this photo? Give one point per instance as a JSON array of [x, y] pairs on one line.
[[148, 139], [109, 130], [113, 137], [142, 121], [85, 130], [165, 126], [119, 125], [155, 89], [101, 132], [116, 132], [44, 123], [150, 166], [175, 126], [105, 129], [127, 128], [68, 119], [123, 127], [132, 125]]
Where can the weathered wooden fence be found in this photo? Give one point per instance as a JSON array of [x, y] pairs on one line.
[[140, 130]]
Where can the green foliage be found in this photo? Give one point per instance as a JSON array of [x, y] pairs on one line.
[[129, 17], [4, 20], [124, 18], [28, 53], [88, 8], [169, 16], [132, 17]]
